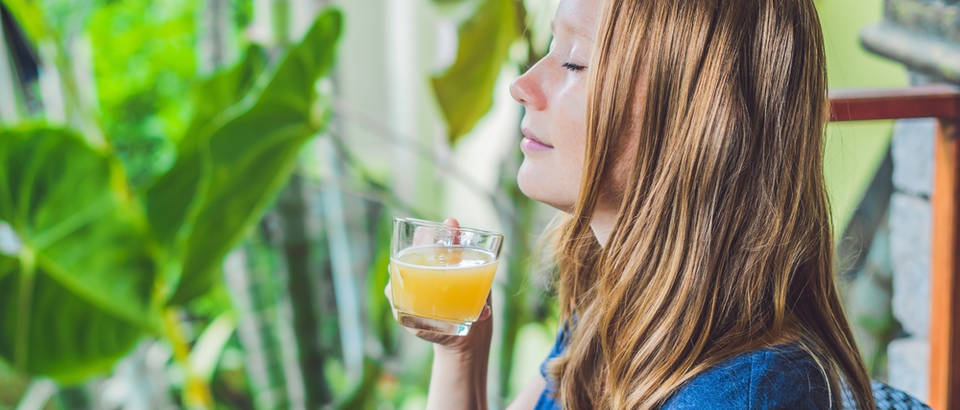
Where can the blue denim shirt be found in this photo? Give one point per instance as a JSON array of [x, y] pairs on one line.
[[777, 377]]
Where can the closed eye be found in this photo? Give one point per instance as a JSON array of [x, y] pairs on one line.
[[574, 67]]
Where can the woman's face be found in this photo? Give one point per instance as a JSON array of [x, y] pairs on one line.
[[554, 95]]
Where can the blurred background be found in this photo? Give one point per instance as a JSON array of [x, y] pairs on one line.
[[199, 195]]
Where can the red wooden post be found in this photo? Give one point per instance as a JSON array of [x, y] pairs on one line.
[[943, 103], [945, 270]]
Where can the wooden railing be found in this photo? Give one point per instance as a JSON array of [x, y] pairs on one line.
[[943, 104]]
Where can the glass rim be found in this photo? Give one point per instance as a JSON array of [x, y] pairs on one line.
[[444, 226]]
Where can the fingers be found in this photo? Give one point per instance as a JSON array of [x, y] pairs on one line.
[[430, 336], [453, 223], [422, 235], [487, 308]]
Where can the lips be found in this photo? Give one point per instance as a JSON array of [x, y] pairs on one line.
[[529, 135]]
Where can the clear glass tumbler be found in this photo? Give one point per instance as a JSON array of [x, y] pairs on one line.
[[440, 275]]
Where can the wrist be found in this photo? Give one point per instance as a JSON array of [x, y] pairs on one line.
[[458, 379], [475, 355]]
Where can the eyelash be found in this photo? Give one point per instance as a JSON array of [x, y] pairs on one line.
[[573, 67]]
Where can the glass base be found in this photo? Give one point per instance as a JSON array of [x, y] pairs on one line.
[[443, 327]]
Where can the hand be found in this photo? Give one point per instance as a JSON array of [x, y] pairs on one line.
[[477, 342]]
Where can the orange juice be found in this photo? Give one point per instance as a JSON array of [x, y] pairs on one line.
[[442, 282]]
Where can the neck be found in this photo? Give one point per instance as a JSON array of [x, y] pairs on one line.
[[602, 225]]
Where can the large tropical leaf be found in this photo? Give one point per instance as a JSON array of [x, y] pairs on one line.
[[465, 91], [248, 154], [173, 199], [77, 275]]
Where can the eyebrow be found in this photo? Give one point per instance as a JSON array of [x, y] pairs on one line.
[[567, 27]]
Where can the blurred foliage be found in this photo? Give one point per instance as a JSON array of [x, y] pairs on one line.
[[245, 156], [195, 174], [144, 62], [198, 172], [70, 313], [465, 90]]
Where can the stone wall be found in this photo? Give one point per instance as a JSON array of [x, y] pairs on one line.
[[910, 236]]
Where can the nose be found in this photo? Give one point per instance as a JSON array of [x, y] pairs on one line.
[[527, 91]]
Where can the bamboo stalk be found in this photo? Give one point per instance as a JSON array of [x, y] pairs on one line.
[[348, 309], [11, 102], [215, 46], [299, 275], [253, 291]]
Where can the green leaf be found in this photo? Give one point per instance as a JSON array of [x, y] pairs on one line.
[[249, 155], [169, 199], [465, 91], [214, 95], [62, 335], [77, 277]]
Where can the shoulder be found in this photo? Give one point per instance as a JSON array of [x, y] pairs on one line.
[[781, 376], [559, 345]]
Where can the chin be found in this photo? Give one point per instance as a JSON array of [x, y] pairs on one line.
[[534, 185]]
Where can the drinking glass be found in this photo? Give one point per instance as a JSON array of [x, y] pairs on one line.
[[440, 275]]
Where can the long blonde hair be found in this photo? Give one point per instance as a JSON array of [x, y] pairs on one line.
[[722, 241]]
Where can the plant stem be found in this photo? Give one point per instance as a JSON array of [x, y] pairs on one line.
[[196, 391]]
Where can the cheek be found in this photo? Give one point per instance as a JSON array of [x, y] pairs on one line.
[[554, 177], [568, 125], [570, 129], [571, 115]]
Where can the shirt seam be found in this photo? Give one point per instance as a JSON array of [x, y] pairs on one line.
[[752, 385]]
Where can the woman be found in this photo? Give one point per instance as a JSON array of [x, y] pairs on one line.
[[695, 257]]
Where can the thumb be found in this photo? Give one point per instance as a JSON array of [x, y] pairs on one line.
[[487, 308], [485, 313]]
